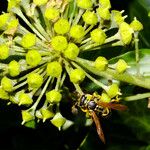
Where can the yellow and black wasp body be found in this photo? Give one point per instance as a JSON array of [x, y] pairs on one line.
[[94, 106]]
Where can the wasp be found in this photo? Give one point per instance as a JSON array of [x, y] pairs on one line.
[[94, 106]]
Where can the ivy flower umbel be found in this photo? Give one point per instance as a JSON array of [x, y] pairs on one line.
[[50, 49]]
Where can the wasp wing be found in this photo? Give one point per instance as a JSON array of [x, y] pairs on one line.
[[113, 106], [98, 126]]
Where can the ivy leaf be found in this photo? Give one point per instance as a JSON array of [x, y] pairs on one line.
[[144, 63]]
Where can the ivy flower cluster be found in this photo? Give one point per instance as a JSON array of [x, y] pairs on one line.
[[40, 45]]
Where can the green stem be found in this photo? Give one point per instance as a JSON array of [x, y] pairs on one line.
[[112, 74], [77, 18], [18, 12], [72, 12], [62, 79], [137, 97], [96, 46], [40, 29], [42, 93], [137, 56], [77, 87], [58, 83]]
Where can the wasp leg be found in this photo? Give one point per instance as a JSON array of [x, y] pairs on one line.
[[105, 112]]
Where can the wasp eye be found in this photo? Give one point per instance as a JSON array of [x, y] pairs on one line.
[[91, 105]]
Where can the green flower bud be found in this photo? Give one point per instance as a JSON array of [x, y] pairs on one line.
[[90, 18], [7, 84], [85, 4], [105, 98], [51, 13], [136, 25], [104, 13], [121, 66], [4, 51], [125, 33], [34, 80], [53, 96], [105, 3], [3, 94], [77, 76], [12, 3], [72, 51], [46, 114], [54, 69], [58, 120], [27, 116], [40, 2], [113, 90], [25, 99], [28, 40], [77, 31], [33, 58], [98, 36], [101, 63], [14, 68], [62, 26], [3, 19], [59, 43], [117, 16], [12, 27]]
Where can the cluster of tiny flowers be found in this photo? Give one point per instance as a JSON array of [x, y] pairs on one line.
[[35, 61]]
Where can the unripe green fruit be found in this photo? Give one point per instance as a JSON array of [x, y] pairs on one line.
[[13, 24], [12, 27], [121, 66], [98, 36], [40, 2], [7, 84], [58, 120], [28, 40], [105, 3], [104, 13], [46, 114], [136, 25], [3, 19], [125, 33], [62, 26], [3, 94], [54, 69], [4, 51], [25, 99], [34, 80], [14, 68], [77, 76], [33, 58], [90, 18], [51, 13], [27, 116], [77, 31], [53, 96], [101, 63], [12, 4], [59, 43], [105, 98], [113, 90], [85, 4], [117, 16], [72, 51]]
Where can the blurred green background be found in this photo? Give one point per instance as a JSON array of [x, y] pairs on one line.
[[128, 130]]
